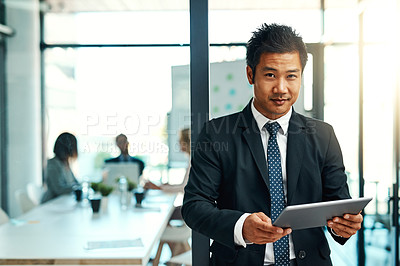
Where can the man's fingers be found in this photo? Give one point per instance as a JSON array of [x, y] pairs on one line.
[[258, 229], [263, 217], [264, 223], [347, 225], [349, 220], [269, 237], [267, 226], [357, 218], [287, 231]]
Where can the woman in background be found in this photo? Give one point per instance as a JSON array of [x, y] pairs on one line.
[[58, 176], [176, 248], [184, 143]]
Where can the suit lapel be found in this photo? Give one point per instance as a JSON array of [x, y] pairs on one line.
[[294, 156], [251, 134], [295, 148]]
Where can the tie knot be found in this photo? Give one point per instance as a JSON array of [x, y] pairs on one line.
[[272, 128]]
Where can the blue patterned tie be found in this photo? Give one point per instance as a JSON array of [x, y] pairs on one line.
[[281, 247]]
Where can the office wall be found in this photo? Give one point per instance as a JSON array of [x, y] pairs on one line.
[[23, 98]]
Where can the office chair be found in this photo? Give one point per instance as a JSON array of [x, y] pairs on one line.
[[23, 200], [177, 236], [35, 192], [3, 217], [181, 259]]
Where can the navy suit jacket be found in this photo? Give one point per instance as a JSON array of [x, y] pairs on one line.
[[229, 177]]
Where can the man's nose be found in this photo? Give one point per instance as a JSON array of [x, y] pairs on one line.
[[280, 86]]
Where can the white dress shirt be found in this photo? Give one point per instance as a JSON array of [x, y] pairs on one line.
[[282, 143]]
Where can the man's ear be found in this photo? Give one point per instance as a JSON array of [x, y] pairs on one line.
[[249, 73]]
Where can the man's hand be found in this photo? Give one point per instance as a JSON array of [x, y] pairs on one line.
[[258, 229], [347, 225]]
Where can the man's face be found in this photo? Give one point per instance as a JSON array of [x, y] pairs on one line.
[[122, 143], [277, 83]]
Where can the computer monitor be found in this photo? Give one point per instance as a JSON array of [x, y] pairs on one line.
[[115, 170]]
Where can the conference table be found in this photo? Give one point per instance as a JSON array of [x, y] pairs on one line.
[[63, 231]]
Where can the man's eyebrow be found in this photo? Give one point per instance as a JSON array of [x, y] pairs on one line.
[[267, 68]]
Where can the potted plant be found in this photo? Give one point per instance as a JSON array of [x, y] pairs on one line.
[[131, 185], [104, 190], [101, 188], [95, 186]]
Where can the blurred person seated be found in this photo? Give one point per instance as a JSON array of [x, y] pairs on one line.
[[124, 157], [184, 144], [59, 178]]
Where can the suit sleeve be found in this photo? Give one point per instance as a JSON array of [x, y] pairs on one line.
[[334, 177], [333, 172], [200, 210]]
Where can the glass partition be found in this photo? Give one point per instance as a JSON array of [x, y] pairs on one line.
[[342, 101], [232, 26], [140, 86], [123, 82], [134, 27], [337, 27]]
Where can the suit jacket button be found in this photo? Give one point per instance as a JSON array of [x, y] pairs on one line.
[[302, 254]]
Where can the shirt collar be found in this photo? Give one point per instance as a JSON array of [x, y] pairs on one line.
[[124, 158], [262, 120]]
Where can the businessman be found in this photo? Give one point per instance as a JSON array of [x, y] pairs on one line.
[[123, 144], [248, 166]]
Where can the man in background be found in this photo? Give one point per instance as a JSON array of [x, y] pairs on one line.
[[124, 157]]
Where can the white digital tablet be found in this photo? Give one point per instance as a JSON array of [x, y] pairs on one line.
[[317, 214]]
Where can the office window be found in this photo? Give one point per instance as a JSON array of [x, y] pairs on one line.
[[121, 83], [338, 29], [133, 27], [341, 25], [231, 26], [379, 92], [342, 108], [341, 104], [379, 22]]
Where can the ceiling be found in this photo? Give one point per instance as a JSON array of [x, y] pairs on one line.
[[68, 6], [75, 6]]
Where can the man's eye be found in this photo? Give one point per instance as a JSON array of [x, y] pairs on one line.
[[292, 76], [270, 75]]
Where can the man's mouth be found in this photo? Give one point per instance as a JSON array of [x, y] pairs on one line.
[[279, 101]]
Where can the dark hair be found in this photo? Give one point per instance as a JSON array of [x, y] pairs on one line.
[[120, 136], [65, 146], [274, 38]]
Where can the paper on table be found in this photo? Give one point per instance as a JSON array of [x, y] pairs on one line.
[[124, 243]]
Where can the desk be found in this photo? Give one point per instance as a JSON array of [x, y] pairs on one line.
[[58, 232]]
